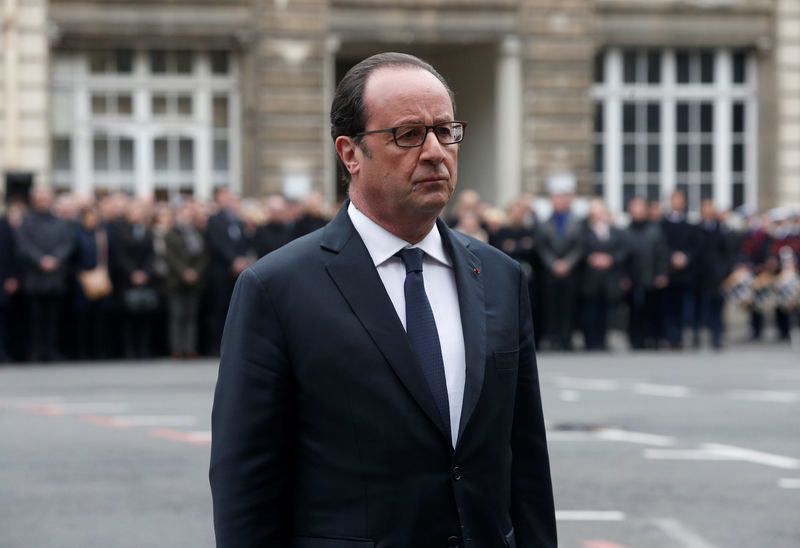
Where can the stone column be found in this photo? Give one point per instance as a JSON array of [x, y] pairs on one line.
[[787, 53], [508, 120], [24, 104]]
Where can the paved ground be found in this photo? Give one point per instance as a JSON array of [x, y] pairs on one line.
[[660, 450]]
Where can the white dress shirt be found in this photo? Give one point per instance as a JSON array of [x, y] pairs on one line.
[[440, 286]]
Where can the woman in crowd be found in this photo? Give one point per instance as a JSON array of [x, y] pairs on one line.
[[91, 309]]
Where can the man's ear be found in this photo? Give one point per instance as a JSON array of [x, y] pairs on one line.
[[349, 153]]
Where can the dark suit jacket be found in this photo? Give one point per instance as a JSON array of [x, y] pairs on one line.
[[226, 242], [603, 285], [682, 236], [551, 246], [44, 234], [325, 433], [130, 254], [8, 259]]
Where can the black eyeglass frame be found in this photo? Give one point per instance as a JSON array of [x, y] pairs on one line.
[[393, 131]]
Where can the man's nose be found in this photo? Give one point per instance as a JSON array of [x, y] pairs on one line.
[[432, 149]]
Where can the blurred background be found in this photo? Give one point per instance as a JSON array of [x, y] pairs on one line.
[[639, 158]]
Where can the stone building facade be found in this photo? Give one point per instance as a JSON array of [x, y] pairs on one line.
[[635, 97]]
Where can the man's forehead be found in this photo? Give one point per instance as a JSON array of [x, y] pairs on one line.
[[405, 88]]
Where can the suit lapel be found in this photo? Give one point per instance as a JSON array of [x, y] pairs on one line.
[[471, 301], [352, 271]]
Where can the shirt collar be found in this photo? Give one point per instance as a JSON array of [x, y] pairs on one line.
[[382, 245]]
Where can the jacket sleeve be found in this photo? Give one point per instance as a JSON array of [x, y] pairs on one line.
[[252, 424], [532, 507]]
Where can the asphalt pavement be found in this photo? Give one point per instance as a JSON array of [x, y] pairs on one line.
[[652, 450]]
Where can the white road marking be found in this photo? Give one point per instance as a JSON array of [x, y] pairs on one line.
[[588, 515], [571, 435], [789, 483], [201, 435], [613, 434], [79, 408], [570, 395], [750, 455], [681, 534], [604, 385], [682, 454], [157, 420], [663, 390], [610, 434], [719, 452], [776, 396]]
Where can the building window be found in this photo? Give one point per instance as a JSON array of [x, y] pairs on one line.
[[675, 119], [160, 122]]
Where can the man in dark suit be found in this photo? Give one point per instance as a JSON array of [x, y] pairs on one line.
[[366, 400], [44, 243], [560, 248], [227, 248], [678, 297], [9, 284]]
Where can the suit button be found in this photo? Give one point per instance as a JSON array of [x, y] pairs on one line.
[[457, 473], [453, 542]]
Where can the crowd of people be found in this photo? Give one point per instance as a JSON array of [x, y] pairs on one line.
[[653, 273], [99, 278]]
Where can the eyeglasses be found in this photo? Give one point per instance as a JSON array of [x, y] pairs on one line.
[[414, 135]]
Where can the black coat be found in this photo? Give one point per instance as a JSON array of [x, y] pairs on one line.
[[519, 243], [648, 255], [603, 285], [552, 246], [8, 259], [226, 242], [44, 234], [272, 236], [684, 237], [133, 250], [714, 262], [325, 432]]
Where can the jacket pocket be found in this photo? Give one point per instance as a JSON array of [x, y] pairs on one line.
[[506, 360], [511, 541], [322, 542]]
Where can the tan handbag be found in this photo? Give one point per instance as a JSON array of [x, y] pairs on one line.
[[96, 283]]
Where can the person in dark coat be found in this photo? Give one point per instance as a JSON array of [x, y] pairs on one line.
[[646, 271], [713, 266], [44, 243], [134, 261], [91, 316], [327, 432], [678, 304], [9, 284], [279, 228], [186, 257], [560, 248], [313, 216], [518, 240], [601, 275], [227, 259]]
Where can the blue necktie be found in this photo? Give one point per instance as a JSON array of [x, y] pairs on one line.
[[421, 330]]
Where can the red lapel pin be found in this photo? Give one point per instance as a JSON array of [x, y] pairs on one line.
[[476, 270]]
